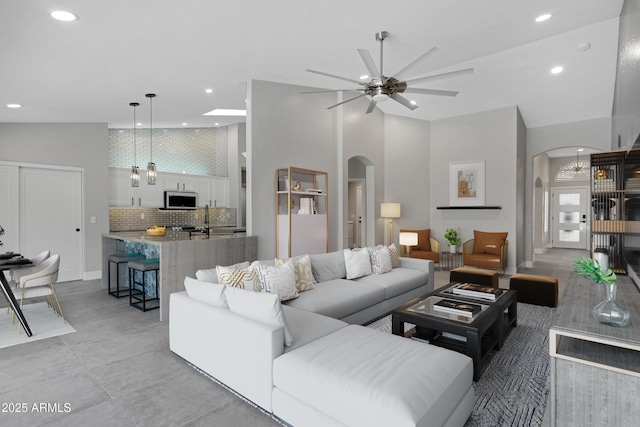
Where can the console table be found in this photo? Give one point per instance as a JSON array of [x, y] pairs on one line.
[[595, 368]]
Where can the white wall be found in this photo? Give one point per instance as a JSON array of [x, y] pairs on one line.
[[407, 165], [83, 145], [491, 136]]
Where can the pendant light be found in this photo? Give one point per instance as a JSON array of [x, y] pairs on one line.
[[151, 167], [135, 172]]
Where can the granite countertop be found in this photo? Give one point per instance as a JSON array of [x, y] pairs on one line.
[[171, 236]]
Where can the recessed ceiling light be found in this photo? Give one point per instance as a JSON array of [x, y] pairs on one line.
[[209, 90], [544, 17], [556, 70], [14, 105], [216, 124], [583, 47], [226, 112], [184, 124], [413, 102], [61, 15], [580, 149], [364, 77], [138, 124]]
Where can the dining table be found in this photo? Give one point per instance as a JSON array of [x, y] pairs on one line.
[[10, 261]]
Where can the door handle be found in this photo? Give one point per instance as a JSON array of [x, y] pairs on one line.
[[77, 229]]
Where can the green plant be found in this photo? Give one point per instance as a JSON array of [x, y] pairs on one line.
[[1, 233], [452, 236], [592, 270]]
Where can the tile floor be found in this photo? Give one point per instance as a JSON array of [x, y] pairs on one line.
[[117, 369]]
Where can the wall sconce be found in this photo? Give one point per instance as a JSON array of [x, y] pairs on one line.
[[390, 211], [406, 240]]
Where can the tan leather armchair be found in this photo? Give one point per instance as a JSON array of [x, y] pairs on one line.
[[481, 259], [422, 249]]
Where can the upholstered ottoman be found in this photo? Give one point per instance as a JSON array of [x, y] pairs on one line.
[[534, 289], [358, 376], [477, 276]]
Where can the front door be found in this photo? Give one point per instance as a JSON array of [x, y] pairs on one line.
[[51, 217], [570, 218]]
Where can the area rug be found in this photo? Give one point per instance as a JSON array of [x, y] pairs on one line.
[[514, 385], [42, 321]]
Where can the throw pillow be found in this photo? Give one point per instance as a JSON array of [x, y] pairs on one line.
[[424, 239], [328, 266], [395, 256], [259, 306], [211, 275], [280, 280], [380, 260], [208, 293], [304, 275], [357, 263], [245, 278], [488, 243]]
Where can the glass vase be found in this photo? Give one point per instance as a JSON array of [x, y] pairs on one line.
[[610, 312]]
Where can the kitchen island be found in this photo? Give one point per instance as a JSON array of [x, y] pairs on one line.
[[180, 253]]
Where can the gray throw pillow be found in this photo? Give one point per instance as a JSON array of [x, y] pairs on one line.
[[328, 266]]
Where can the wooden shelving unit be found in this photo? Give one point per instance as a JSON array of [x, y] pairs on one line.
[[301, 212]]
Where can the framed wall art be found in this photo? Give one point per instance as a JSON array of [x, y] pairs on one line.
[[466, 183]]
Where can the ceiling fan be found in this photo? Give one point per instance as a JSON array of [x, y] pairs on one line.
[[381, 88]]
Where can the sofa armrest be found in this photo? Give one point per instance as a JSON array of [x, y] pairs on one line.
[[236, 351], [425, 265]]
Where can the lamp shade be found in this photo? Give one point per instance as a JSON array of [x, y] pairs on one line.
[[408, 238], [390, 210]]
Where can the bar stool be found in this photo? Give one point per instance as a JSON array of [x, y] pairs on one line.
[[138, 298], [118, 259]]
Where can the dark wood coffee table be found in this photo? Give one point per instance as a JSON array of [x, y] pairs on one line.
[[475, 336]]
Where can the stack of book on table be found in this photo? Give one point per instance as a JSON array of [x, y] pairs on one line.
[[477, 291], [460, 308]]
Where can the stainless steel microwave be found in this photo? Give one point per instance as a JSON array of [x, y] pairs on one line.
[[180, 200]]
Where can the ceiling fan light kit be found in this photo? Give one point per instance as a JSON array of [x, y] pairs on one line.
[[380, 87]]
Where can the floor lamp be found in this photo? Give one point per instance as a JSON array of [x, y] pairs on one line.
[[390, 211]]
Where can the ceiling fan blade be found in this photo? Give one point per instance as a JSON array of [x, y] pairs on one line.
[[371, 107], [430, 91], [334, 90], [404, 101], [428, 54], [441, 76], [336, 77], [344, 102], [368, 62]]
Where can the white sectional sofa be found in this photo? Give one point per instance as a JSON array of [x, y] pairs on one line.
[[334, 373]]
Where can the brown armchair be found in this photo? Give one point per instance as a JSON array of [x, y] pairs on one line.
[[427, 247], [486, 250]]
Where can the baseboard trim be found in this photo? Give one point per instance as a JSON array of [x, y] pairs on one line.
[[92, 275]]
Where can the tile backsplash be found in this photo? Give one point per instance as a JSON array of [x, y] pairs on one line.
[[130, 219]]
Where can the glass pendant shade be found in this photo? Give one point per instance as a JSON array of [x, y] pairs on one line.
[[151, 173], [135, 173], [151, 167]]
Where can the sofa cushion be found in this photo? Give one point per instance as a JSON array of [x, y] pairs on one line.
[[307, 326], [357, 263], [208, 293], [482, 260], [328, 266], [395, 255], [364, 377], [339, 298], [243, 278], [488, 243], [397, 281], [304, 275], [279, 280], [211, 275], [380, 260], [259, 306], [424, 236]]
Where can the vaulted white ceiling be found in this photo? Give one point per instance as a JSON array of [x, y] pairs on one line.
[[91, 69]]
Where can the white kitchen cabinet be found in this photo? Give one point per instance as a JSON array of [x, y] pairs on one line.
[[121, 193], [220, 193], [203, 187], [179, 182]]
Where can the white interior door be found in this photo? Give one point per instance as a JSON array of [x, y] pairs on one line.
[[570, 217], [51, 217], [360, 218], [9, 217]]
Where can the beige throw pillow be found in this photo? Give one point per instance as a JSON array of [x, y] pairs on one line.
[[245, 278], [304, 274]]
